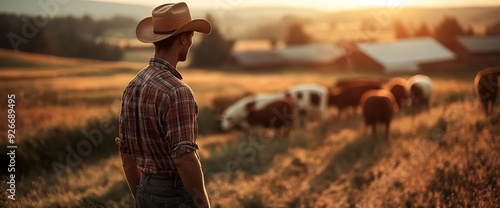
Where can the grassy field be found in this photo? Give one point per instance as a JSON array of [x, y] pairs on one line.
[[67, 117]]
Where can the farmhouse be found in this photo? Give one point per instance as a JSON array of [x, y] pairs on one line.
[[408, 55]]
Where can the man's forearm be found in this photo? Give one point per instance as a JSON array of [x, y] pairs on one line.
[[132, 172], [189, 168]]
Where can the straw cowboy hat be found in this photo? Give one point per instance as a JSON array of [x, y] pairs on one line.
[[168, 20]]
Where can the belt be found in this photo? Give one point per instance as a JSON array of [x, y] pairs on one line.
[[168, 181], [161, 177]]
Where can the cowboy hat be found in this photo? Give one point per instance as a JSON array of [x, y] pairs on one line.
[[168, 20]]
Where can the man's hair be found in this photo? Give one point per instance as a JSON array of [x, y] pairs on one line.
[[168, 42]]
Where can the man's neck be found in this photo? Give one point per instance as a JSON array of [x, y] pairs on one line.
[[170, 56]]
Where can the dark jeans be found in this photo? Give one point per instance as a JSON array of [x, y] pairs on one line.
[[161, 191]]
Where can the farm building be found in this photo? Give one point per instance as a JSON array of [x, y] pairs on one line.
[[480, 52], [408, 55], [481, 45], [317, 54], [256, 59]]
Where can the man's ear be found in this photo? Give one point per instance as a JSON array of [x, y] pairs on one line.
[[184, 37], [187, 36]]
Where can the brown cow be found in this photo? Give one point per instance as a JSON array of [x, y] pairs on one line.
[[378, 107], [348, 96], [397, 86], [278, 114], [486, 83]]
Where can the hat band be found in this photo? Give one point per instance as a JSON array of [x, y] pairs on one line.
[[164, 32]]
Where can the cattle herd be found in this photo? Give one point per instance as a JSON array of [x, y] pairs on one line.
[[378, 100]]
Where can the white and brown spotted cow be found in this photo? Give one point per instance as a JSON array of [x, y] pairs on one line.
[[311, 101], [308, 100], [420, 91], [272, 111]]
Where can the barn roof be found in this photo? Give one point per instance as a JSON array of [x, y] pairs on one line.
[[480, 45], [406, 54], [311, 54], [258, 59]]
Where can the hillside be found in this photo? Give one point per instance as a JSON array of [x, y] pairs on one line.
[[12, 59]]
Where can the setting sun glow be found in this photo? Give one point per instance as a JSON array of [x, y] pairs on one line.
[[318, 4], [381, 3]]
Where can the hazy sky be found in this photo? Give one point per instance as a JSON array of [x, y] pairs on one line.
[[319, 4]]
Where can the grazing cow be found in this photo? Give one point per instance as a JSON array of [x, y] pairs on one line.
[[275, 115], [420, 91], [398, 86], [348, 96], [221, 101], [311, 101], [378, 107], [274, 110], [487, 86]]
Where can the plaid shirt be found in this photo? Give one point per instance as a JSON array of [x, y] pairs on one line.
[[158, 119]]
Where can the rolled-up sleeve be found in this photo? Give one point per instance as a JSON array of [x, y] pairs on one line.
[[127, 120], [182, 127]]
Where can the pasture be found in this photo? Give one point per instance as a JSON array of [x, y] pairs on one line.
[[67, 118]]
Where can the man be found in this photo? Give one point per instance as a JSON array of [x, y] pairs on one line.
[[158, 129]]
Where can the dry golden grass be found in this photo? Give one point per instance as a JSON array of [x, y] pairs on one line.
[[444, 157]]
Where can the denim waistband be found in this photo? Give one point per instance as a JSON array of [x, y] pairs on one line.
[[160, 177], [151, 180]]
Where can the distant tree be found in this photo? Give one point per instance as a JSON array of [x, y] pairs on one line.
[[118, 22], [469, 31], [8, 24], [493, 29], [447, 31], [296, 35], [213, 49], [40, 43], [423, 31], [400, 30], [271, 31]]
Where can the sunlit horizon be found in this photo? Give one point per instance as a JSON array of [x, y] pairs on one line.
[[328, 5]]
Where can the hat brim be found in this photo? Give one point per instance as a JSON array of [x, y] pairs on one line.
[[145, 34]]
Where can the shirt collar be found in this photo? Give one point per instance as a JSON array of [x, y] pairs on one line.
[[162, 64]]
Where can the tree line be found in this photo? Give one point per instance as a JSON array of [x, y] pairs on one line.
[[66, 36], [449, 26], [445, 31]]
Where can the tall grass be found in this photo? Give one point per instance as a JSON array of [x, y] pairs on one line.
[[76, 144]]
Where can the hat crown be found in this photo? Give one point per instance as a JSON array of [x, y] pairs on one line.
[[168, 20], [169, 17]]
